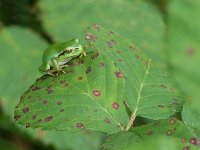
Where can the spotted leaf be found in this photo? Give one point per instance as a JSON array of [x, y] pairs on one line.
[[88, 96], [184, 55], [152, 136], [148, 90]]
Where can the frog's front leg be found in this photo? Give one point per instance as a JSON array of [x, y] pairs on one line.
[[83, 53], [56, 65]]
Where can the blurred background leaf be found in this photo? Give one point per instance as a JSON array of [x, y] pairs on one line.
[[184, 55], [138, 20]]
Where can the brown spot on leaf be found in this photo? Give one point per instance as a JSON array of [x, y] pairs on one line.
[[62, 110], [97, 93], [115, 105], [107, 120], [25, 110], [79, 125], [172, 121], [96, 27], [149, 132], [35, 88], [91, 37], [190, 51], [160, 106], [80, 62], [186, 148], [194, 141], [119, 74], [27, 125], [88, 70], [95, 55], [101, 64], [34, 117], [163, 86], [49, 118], [183, 140], [49, 89], [44, 101], [111, 43], [59, 102], [80, 78], [169, 132], [118, 51], [17, 117]]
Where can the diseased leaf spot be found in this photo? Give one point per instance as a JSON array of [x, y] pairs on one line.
[[44, 101], [172, 121], [25, 110], [97, 93], [49, 90], [111, 43], [17, 117], [194, 141], [160, 106], [115, 105], [27, 125], [96, 27], [59, 102], [107, 120], [35, 88], [79, 125], [80, 62], [91, 37], [95, 55], [62, 110], [101, 64], [39, 120], [62, 81], [49, 118], [110, 33], [186, 148], [183, 140], [149, 132], [190, 51], [80, 78], [118, 51], [88, 70], [169, 132], [120, 60], [163, 86], [119, 74], [34, 117], [132, 48]]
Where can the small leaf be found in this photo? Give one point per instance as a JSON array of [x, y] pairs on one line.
[[19, 63], [183, 49], [153, 136], [88, 96], [148, 89]]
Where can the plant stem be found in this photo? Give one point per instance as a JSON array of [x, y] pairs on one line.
[[130, 123]]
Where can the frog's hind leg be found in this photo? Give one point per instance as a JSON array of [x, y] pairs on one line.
[[56, 65]]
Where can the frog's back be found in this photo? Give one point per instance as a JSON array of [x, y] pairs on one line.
[[51, 52]]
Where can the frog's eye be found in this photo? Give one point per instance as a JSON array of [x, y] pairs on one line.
[[76, 48], [69, 51]]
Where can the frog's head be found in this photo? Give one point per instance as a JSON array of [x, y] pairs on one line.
[[73, 48]]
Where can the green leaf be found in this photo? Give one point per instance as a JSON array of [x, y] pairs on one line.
[[89, 96], [153, 136], [21, 56], [139, 21], [148, 89], [120, 141], [183, 45]]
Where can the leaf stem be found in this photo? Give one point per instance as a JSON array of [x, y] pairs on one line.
[[130, 123]]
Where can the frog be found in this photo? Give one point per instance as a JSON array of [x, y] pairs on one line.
[[57, 55]]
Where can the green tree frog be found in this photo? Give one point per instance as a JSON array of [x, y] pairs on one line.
[[57, 55]]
